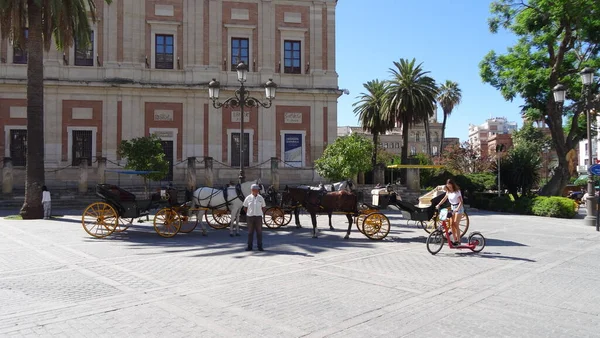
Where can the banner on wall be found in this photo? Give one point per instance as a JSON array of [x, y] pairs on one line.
[[293, 149]]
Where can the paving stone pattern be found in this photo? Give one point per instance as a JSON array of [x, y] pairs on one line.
[[536, 277]]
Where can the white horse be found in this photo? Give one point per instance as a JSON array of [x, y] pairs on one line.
[[230, 198]]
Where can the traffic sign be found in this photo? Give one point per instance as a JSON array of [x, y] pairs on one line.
[[594, 169]]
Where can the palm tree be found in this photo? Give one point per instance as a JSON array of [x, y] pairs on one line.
[[369, 109], [62, 20], [449, 97], [410, 98]]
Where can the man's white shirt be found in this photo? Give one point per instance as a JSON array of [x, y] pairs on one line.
[[254, 205]]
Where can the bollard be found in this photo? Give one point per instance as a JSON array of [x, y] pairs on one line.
[[191, 174], [379, 175], [101, 170], [7, 176], [208, 172], [413, 179], [83, 176], [275, 172]]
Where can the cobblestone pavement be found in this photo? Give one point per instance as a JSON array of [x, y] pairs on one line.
[[536, 277]]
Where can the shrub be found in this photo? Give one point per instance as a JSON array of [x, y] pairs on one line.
[[553, 207], [501, 203], [523, 206]]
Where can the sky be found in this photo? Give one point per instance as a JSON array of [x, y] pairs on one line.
[[450, 38]]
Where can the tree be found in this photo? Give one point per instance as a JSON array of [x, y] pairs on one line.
[[520, 170], [145, 154], [369, 110], [532, 136], [62, 20], [556, 39], [449, 97], [464, 159], [345, 158], [410, 99]]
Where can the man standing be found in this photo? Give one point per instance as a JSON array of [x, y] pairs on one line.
[[254, 204]]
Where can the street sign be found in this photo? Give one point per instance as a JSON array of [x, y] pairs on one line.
[[594, 169]]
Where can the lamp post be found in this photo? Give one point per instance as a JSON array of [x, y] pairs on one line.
[[499, 150], [241, 99], [587, 77], [546, 150]]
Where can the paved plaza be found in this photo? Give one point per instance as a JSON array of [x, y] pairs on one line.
[[536, 277]]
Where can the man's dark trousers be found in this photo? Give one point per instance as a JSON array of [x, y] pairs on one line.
[[254, 224]]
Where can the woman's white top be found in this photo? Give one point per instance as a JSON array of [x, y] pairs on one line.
[[454, 197], [46, 196]]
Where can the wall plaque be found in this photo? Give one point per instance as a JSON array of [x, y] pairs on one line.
[[292, 118], [235, 116], [163, 115], [164, 10], [18, 112], [165, 134], [240, 14], [82, 113]]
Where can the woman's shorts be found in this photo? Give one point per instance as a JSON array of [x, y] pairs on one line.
[[456, 210]]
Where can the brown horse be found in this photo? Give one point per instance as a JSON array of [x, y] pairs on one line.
[[315, 201]]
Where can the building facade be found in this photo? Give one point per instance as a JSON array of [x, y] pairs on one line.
[[147, 71], [479, 134]]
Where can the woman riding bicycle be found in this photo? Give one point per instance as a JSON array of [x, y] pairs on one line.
[[454, 196]]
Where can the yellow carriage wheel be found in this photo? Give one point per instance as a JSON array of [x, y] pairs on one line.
[[189, 222], [167, 222], [274, 217], [124, 224], [99, 219], [218, 219], [361, 218], [376, 226]]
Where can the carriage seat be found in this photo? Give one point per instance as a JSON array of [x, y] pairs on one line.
[[371, 206], [407, 206], [115, 192]]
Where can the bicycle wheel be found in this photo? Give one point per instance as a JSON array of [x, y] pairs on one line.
[[478, 240], [435, 242]]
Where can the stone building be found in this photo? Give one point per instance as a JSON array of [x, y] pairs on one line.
[[479, 134], [147, 71]]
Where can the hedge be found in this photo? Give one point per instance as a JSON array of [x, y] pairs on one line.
[[560, 207]]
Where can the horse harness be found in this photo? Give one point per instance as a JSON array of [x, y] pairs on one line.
[[238, 192]]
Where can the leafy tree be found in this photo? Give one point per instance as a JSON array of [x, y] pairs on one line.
[[387, 158], [464, 159], [410, 99], [369, 110], [530, 135], [520, 170], [449, 97], [62, 20], [145, 154], [556, 39], [345, 158]]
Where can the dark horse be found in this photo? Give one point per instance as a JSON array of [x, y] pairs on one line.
[[318, 201]]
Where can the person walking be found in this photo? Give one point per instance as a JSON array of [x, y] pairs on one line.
[[46, 202], [254, 205]]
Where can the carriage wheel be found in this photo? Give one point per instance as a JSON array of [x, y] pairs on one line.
[[274, 217], [99, 219], [376, 226], [124, 224], [189, 222], [218, 219], [167, 222], [431, 225], [287, 218], [359, 222]]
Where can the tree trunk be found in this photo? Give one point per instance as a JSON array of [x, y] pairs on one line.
[[443, 135], [561, 174], [404, 152], [32, 207], [375, 142], [427, 137]]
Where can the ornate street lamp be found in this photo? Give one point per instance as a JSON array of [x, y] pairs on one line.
[[587, 78], [241, 99]]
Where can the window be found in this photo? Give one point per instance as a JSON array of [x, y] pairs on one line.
[[235, 149], [413, 150], [385, 145], [20, 52], [397, 145], [586, 145], [81, 147], [586, 161], [164, 51], [84, 56], [239, 52], [417, 137], [18, 147], [291, 58]]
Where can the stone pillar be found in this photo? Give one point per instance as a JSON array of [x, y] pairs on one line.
[[275, 172], [101, 170], [208, 172], [7, 176], [413, 179], [379, 175], [190, 174], [361, 178], [83, 176]]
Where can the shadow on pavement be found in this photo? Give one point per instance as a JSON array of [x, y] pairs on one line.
[[498, 242], [495, 255]]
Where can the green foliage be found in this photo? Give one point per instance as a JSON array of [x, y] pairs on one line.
[[560, 207], [580, 181], [520, 170], [345, 158], [529, 135], [523, 206], [145, 154], [483, 181]]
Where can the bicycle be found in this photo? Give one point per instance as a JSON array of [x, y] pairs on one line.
[[435, 241]]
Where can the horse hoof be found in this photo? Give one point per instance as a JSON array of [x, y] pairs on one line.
[[237, 234], [346, 237], [230, 235]]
